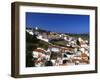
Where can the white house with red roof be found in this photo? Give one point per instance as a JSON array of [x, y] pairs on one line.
[[38, 53]]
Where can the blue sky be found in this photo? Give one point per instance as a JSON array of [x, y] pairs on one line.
[[65, 23]]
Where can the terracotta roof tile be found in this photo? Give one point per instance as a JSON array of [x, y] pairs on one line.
[[38, 50]]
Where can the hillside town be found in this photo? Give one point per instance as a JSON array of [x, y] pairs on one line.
[[58, 49]]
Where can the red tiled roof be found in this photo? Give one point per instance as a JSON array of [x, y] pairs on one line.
[[38, 50], [84, 55]]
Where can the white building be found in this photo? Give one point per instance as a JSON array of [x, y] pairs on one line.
[[38, 53], [41, 38], [30, 32], [55, 49], [36, 28]]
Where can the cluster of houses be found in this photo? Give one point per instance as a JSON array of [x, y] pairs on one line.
[[75, 52]]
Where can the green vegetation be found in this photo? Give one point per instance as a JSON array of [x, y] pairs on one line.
[[32, 43], [59, 42], [84, 36]]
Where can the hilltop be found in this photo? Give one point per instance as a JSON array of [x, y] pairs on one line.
[[52, 44]]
